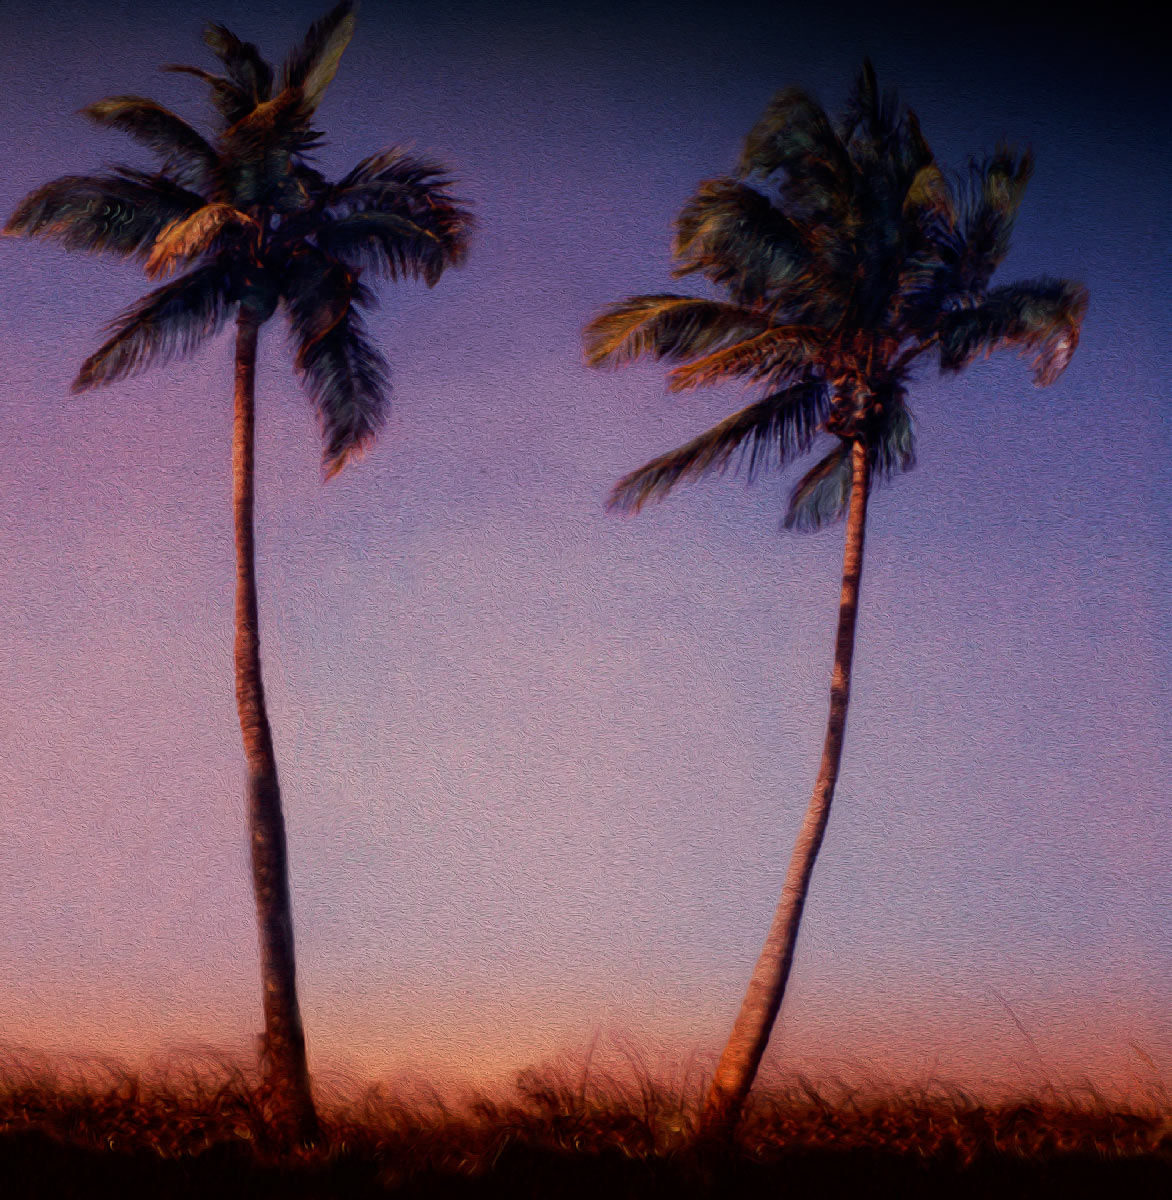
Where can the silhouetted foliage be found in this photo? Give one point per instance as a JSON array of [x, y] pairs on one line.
[[251, 222], [846, 253], [200, 1132], [250, 225]]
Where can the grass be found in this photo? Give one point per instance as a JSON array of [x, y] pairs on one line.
[[96, 1129]]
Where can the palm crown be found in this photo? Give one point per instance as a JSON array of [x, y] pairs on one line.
[[845, 252], [252, 225]]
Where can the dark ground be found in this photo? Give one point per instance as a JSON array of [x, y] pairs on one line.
[[199, 1133]]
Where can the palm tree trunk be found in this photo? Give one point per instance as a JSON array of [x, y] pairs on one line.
[[742, 1055], [283, 1059]]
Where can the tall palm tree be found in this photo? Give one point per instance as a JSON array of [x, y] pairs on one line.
[[846, 254], [253, 226]]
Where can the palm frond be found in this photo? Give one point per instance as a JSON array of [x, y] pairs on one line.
[[1043, 317], [312, 66], [871, 118], [929, 198], [770, 432], [247, 70], [228, 98], [793, 131], [777, 356], [347, 378], [185, 152], [914, 150], [396, 181], [193, 236], [994, 193], [901, 200], [317, 292], [342, 370], [821, 496], [120, 213], [926, 270], [738, 238], [795, 143], [892, 448], [260, 149], [666, 326], [407, 236], [394, 165], [173, 319]]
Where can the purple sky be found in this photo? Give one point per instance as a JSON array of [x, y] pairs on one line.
[[543, 766]]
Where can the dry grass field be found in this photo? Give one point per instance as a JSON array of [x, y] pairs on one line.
[[195, 1130]]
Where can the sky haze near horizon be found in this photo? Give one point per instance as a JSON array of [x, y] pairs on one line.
[[543, 766]]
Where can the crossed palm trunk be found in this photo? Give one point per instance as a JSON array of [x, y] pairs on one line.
[[742, 1054], [288, 1094]]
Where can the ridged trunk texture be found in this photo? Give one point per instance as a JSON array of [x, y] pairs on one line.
[[283, 1060], [742, 1054]]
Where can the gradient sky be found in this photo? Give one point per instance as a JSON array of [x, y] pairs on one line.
[[543, 765]]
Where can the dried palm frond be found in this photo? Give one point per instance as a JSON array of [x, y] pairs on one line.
[[667, 326], [195, 235]]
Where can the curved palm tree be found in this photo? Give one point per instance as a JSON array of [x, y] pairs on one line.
[[253, 226], [846, 254]]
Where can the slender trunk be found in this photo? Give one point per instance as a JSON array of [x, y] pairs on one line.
[[742, 1055], [283, 1060]]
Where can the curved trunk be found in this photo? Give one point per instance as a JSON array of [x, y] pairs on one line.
[[746, 1044], [283, 1061]]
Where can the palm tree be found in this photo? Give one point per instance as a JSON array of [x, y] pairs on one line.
[[253, 227], [846, 254]]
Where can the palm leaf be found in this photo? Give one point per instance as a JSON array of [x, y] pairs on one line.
[[900, 195], [425, 229], [666, 326], [185, 152], [395, 181], [929, 198], [773, 430], [393, 165], [870, 118], [736, 237], [996, 186], [317, 292], [171, 320], [230, 100], [312, 66], [192, 236], [913, 146], [1042, 317], [821, 496], [347, 378], [260, 149], [776, 355], [247, 70], [340, 367], [399, 246], [793, 132], [120, 213], [795, 143], [892, 448]]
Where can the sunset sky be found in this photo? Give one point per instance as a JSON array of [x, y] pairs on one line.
[[543, 765]]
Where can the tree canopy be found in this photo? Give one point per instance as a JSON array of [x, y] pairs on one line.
[[242, 220], [844, 252]]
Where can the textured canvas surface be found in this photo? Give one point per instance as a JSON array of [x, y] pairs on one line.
[[542, 765]]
